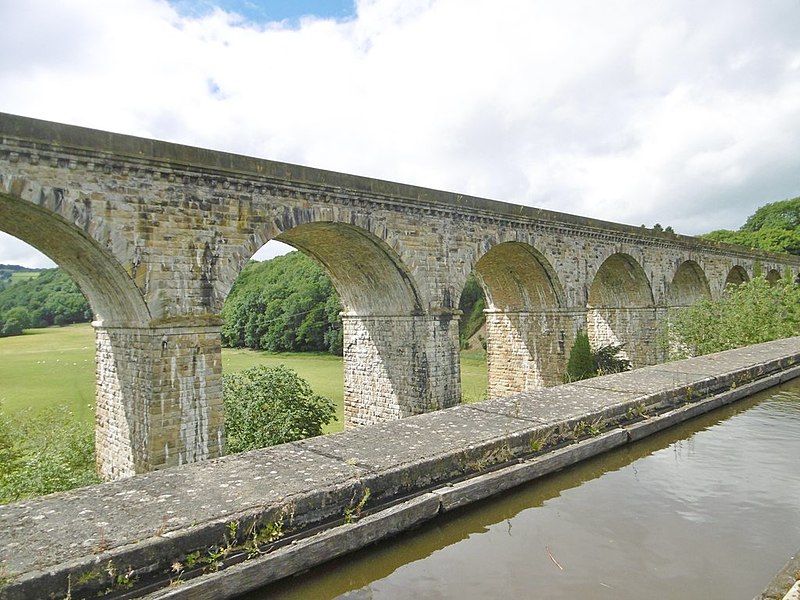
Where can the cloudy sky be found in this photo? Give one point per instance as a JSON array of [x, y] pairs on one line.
[[682, 112]]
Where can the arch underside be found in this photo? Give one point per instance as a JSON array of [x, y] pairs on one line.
[[773, 276], [688, 286], [621, 310], [737, 276], [112, 294], [516, 277], [367, 274], [620, 283], [523, 329]]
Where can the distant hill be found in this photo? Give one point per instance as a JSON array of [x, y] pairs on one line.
[[13, 273], [32, 298]]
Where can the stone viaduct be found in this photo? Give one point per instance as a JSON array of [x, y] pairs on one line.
[[156, 233]]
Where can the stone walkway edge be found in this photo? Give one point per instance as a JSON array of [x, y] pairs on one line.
[[226, 526]]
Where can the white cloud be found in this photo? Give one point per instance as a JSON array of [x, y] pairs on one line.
[[683, 113]]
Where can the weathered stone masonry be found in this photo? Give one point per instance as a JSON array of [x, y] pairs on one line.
[[156, 233]]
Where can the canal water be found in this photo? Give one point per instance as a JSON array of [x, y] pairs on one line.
[[709, 509]]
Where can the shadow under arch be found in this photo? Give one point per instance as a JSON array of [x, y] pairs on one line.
[[773, 276], [525, 336], [688, 286], [736, 276], [621, 310], [368, 275], [398, 360]]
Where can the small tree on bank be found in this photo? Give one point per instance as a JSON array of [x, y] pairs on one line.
[[267, 406], [753, 312], [584, 362]]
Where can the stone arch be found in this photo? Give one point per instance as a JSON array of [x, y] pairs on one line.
[[516, 276], [620, 282], [110, 290], [367, 273], [524, 333], [688, 286], [124, 340], [621, 309], [736, 276], [389, 341], [773, 276]]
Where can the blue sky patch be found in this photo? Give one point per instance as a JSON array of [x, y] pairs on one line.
[[265, 11]]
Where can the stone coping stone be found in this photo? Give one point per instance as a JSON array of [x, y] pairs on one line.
[[149, 520], [53, 529], [550, 406]]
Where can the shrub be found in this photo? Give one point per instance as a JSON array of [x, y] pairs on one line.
[[45, 452], [267, 406], [15, 321], [580, 364], [750, 313], [607, 360], [584, 362]]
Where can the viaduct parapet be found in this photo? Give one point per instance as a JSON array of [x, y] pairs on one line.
[[156, 233]]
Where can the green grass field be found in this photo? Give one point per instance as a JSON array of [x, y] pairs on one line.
[[55, 366]]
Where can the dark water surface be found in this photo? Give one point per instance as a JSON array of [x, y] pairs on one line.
[[708, 509]]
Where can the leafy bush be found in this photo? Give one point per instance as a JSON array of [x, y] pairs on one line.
[[50, 451], [750, 313], [266, 406], [608, 359], [15, 321], [287, 304], [584, 362]]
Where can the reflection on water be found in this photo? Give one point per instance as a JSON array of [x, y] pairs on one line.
[[708, 509]]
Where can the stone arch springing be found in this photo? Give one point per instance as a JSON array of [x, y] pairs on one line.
[[110, 290], [736, 276], [524, 333], [387, 335], [688, 286], [621, 309], [773, 276]]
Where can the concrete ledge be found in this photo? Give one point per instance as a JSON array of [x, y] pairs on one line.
[[482, 486], [399, 473]]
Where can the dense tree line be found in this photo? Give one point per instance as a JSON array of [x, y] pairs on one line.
[[774, 227], [287, 304], [51, 298]]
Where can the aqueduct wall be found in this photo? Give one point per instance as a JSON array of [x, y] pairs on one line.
[[156, 233]]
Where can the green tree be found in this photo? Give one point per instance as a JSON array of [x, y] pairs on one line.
[[471, 304], [51, 298], [15, 321], [284, 304], [581, 364], [750, 313], [267, 406], [774, 227]]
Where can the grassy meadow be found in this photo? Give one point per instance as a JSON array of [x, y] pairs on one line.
[[55, 367]]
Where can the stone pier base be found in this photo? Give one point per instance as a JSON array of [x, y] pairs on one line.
[[397, 366], [528, 350], [159, 398], [641, 331]]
